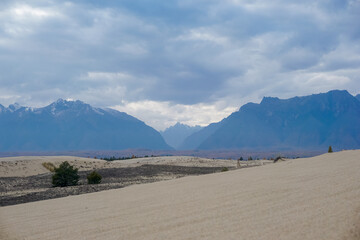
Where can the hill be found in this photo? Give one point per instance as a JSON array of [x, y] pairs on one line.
[[309, 123], [73, 125]]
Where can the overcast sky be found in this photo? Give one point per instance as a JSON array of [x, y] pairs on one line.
[[164, 61]]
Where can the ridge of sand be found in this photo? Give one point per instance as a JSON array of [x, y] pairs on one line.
[[314, 198]]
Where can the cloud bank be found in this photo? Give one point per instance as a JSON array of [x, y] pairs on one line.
[[168, 61]]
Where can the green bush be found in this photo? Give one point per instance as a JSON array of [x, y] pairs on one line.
[[94, 178], [65, 175], [224, 169]]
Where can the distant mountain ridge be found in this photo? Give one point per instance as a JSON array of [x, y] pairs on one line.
[[311, 122], [193, 141], [301, 123], [73, 125], [175, 135]]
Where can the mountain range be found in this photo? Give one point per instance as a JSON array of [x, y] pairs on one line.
[[310, 122], [175, 135], [73, 125], [301, 123]]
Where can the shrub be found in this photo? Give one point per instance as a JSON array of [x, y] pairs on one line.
[[330, 149], [65, 175], [224, 169], [94, 178], [49, 166]]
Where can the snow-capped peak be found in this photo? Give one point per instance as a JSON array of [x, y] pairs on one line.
[[60, 100], [14, 107], [61, 106]]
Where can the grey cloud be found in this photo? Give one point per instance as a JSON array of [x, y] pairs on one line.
[[184, 52]]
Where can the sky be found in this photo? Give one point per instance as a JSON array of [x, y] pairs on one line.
[[193, 62]]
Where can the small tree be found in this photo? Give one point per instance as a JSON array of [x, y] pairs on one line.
[[94, 178], [65, 175], [330, 149]]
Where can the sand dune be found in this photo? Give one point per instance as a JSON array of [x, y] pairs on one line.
[[314, 198]]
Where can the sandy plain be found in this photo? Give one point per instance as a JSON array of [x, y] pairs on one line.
[[26, 179], [32, 165], [312, 198]]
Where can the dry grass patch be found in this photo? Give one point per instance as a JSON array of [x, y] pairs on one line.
[[49, 166]]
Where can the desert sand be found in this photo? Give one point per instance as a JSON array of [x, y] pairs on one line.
[[26, 179], [313, 198]]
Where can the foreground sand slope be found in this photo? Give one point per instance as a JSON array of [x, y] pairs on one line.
[[314, 198]]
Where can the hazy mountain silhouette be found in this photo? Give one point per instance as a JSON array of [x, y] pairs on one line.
[[73, 125], [194, 140], [310, 122], [175, 135]]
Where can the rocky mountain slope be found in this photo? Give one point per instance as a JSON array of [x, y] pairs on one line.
[[73, 125], [309, 122]]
